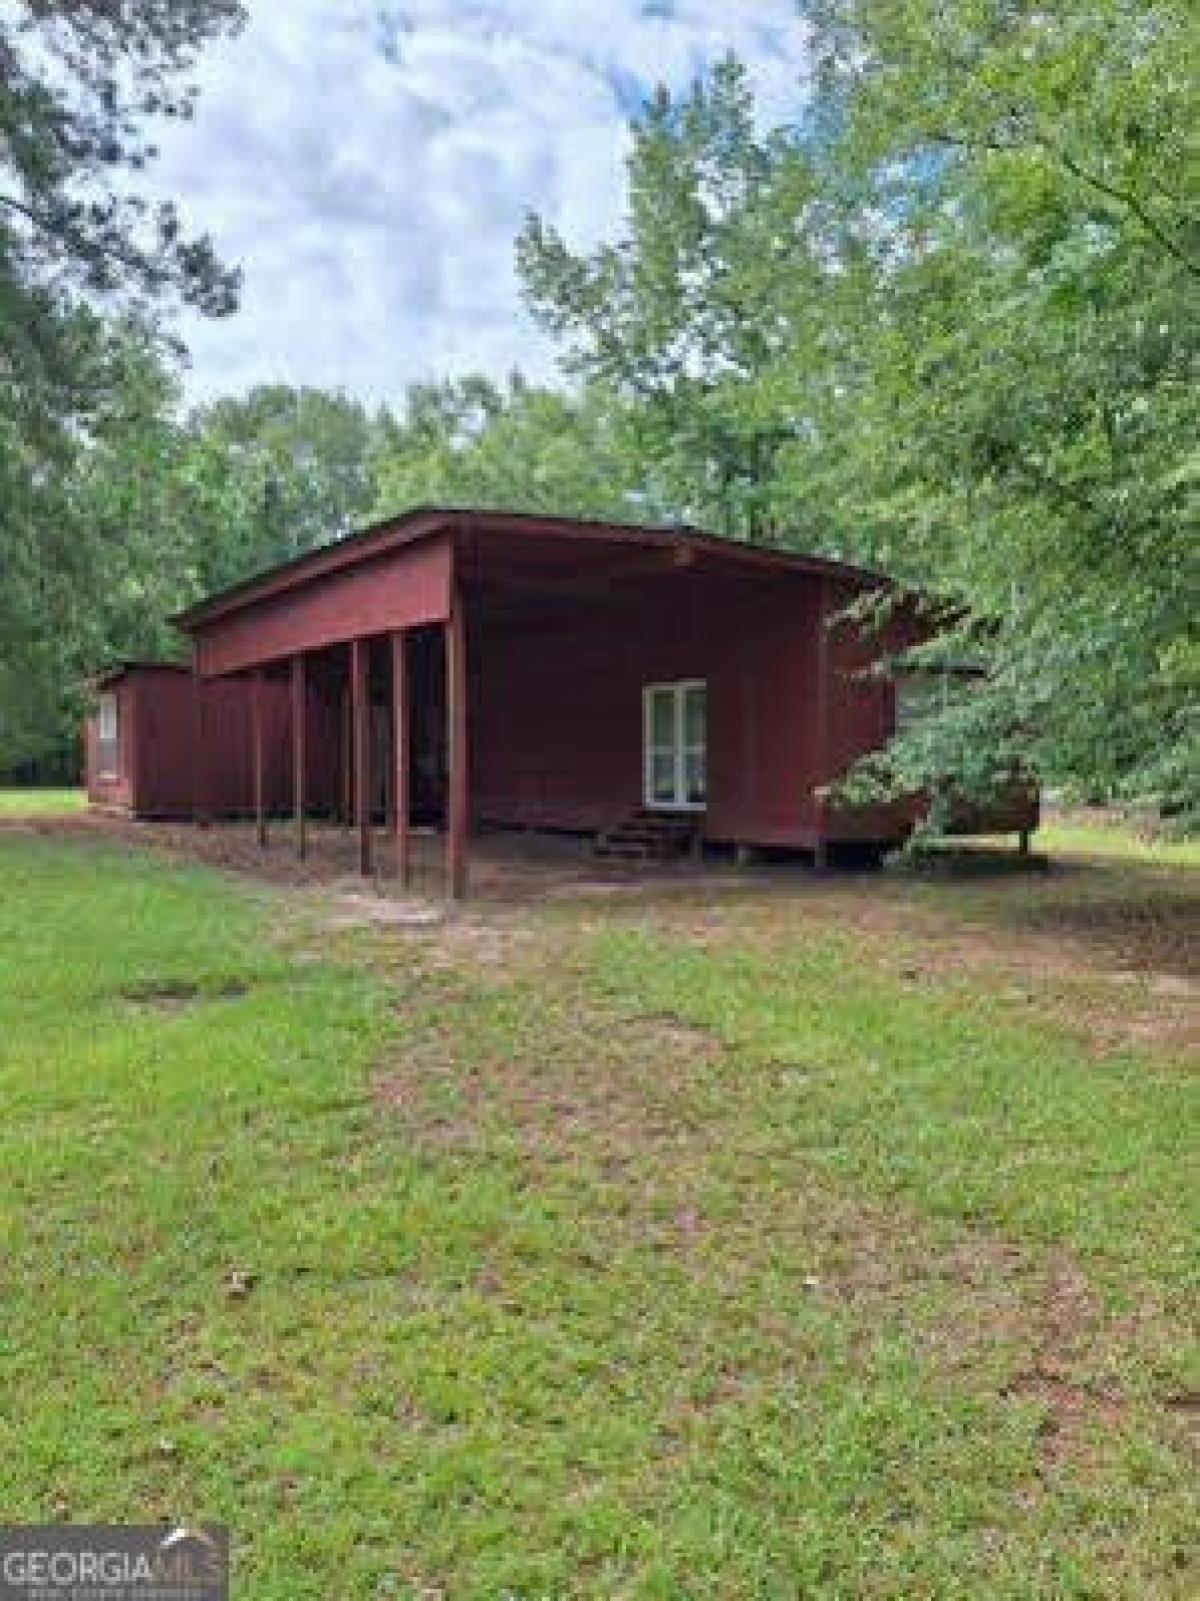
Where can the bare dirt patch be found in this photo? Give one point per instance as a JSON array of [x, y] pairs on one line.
[[604, 1090], [1136, 917], [1066, 1323], [1186, 1409], [1071, 1411], [359, 909]]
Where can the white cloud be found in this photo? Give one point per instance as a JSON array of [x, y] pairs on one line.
[[369, 162]]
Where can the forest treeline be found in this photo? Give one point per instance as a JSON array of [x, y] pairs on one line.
[[944, 323]]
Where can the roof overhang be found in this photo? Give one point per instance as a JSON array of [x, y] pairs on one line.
[[109, 676], [682, 546]]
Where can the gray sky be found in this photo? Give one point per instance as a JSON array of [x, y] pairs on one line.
[[369, 162]]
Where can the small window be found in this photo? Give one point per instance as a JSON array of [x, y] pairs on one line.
[[918, 695], [108, 736]]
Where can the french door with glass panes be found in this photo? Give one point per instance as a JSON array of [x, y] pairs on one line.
[[675, 741]]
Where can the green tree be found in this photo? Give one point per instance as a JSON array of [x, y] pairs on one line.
[[92, 549], [692, 320], [144, 513], [81, 81], [84, 257], [946, 324], [1022, 429], [275, 473], [521, 448]]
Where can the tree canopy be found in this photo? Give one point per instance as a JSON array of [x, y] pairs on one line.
[[943, 322], [81, 84], [947, 324], [88, 267]]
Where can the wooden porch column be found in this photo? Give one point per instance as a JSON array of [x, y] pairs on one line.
[[260, 814], [824, 691], [458, 808], [199, 750], [360, 708], [299, 752], [400, 782], [346, 739]]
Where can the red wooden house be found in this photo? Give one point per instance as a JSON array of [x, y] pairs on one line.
[[478, 669], [154, 730]]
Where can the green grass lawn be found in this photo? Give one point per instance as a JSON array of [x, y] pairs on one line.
[[1080, 835], [672, 1249], [41, 802]]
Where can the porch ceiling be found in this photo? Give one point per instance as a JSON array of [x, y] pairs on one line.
[[496, 569], [510, 545]]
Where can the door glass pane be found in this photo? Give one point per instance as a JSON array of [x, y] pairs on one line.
[[662, 719], [662, 776], [695, 778], [694, 705]]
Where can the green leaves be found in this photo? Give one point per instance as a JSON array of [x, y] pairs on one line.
[[81, 81], [681, 319], [947, 325], [86, 265], [521, 448], [1038, 373]]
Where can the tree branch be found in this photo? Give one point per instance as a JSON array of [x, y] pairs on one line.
[[1126, 198], [1119, 194], [80, 243]]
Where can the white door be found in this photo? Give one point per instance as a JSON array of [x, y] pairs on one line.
[[675, 737]]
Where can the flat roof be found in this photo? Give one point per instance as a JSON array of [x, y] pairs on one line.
[[420, 522]]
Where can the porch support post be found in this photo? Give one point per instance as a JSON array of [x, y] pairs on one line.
[[360, 708], [199, 749], [824, 765], [299, 752], [458, 811], [400, 781], [260, 814], [346, 741]]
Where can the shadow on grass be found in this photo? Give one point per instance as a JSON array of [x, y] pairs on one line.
[[1140, 914]]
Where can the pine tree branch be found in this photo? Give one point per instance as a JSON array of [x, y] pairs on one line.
[[78, 242]]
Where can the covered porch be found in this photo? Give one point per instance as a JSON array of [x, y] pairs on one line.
[[450, 673], [379, 644]]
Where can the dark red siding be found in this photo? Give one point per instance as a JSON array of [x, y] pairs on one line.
[[557, 704], [564, 626], [861, 711], [406, 588], [183, 746]]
